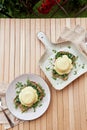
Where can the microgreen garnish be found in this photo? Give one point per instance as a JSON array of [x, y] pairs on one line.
[[54, 51], [69, 47], [75, 72], [83, 66], [50, 59], [47, 68], [54, 78]]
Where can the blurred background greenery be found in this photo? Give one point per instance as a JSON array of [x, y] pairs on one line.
[[29, 9]]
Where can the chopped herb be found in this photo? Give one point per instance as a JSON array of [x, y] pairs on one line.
[[69, 47], [16, 106], [34, 109], [77, 57], [83, 66], [54, 51], [75, 72], [17, 92], [75, 66], [28, 82], [19, 85], [40, 105], [50, 59], [79, 65], [51, 63], [24, 108], [54, 78], [47, 68]]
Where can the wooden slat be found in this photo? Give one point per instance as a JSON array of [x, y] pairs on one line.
[[22, 47], [20, 126], [38, 124], [7, 46], [20, 52], [26, 125], [0, 127], [82, 93], [15, 128], [60, 112], [43, 118], [76, 113], [17, 47], [86, 79], [71, 102], [2, 32], [12, 50], [65, 95], [57, 28], [54, 93], [28, 44], [33, 60], [49, 113]]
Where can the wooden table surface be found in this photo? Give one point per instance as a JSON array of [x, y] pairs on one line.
[[20, 52]]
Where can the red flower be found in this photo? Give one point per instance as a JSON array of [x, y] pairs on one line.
[[46, 6]]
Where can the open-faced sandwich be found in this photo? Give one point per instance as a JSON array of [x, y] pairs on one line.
[[64, 63], [28, 95]]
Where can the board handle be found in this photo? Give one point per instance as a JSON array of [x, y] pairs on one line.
[[42, 37]]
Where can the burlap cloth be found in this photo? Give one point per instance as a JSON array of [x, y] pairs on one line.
[[77, 37]]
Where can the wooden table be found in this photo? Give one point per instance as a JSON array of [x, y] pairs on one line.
[[20, 52]]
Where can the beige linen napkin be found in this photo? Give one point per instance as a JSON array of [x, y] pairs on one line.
[[3, 120], [76, 36]]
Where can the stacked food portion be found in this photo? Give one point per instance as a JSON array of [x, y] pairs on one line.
[[28, 95], [64, 62]]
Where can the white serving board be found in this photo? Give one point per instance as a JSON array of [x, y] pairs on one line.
[[47, 60]]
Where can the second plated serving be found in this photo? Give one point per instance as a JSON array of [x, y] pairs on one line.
[[28, 97]]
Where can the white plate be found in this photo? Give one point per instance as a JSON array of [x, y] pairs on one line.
[[30, 114], [45, 62]]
